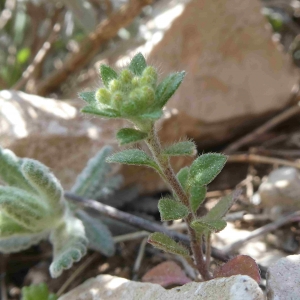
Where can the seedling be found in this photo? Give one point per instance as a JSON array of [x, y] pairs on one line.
[[134, 94]]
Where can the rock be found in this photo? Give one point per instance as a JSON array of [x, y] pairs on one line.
[[283, 279], [106, 287], [57, 134], [280, 193], [233, 69]]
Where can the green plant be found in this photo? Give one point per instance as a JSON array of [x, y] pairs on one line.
[[37, 292], [32, 208], [135, 95]]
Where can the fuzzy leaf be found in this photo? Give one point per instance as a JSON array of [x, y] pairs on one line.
[[154, 115], [93, 179], [99, 236], [37, 292], [206, 167], [182, 176], [132, 157], [19, 242], [221, 208], [239, 265], [137, 64], [23, 208], [181, 148], [166, 274], [130, 135], [46, 184], [201, 225], [197, 196], [163, 242], [101, 110], [167, 88], [10, 170], [88, 97], [107, 74], [69, 245], [171, 210]]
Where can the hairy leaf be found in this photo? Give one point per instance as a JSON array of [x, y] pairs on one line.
[[137, 64], [222, 207], [167, 88], [163, 242], [101, 110], [182, 176], [99, 236], [171, 210], [181, 148], [206, 167], [69, 245], [92, 181], [197, 196], [47, 185], [153, 115], [201, 225], [107, 74], [130, 135], [89, 97], [10, 170], [37, 292], [132, 157]]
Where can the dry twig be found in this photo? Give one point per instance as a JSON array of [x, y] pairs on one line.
[[91, 45]]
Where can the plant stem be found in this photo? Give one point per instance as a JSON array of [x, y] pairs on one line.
[[170, 177]]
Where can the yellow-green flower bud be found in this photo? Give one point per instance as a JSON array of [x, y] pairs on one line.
[[115, 85], [103, 96], [135, 82], [117, 100], [148, 95], [125, 77], [149, 77]]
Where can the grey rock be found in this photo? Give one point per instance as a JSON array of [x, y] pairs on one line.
[[283, 279], [106, 287]]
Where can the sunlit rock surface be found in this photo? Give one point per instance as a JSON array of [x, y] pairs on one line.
[[106, 287]]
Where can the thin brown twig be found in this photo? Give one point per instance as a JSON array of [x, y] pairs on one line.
[[139, 259], [253, 158], [7, 12], [252, 136], [41, 55], [264, 230], [91, 45]]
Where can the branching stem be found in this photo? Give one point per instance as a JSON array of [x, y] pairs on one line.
[[169, 176]]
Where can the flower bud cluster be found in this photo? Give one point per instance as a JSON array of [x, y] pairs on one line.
[[129, 94]]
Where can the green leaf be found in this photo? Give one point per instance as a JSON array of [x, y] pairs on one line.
[[132, 157], [182, 176], [23, 55], [22, 208], [171, 210], [99, 236], [46, 184], [69, 245], [167, 88], [181, 148], [107, 74], [130, 135], [10, 170], [37, 292], [154, 115], [222, 207], [163, 242], [137, 64], [88, 97], [206, 167], [104, 112], [197, 196], [201, 225]]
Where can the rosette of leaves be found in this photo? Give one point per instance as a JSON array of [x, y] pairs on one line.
[[33, 208], [136, 95]]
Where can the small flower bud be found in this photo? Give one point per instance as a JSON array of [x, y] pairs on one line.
[[126, 77], [148, 95], [135, 82], [103, 96], [149, 77], [115, 85], [117, 100]]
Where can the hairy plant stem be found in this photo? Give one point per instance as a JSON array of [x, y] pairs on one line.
[[169, 176]]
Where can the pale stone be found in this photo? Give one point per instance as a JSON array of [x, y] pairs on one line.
[[106, 287], [283, 279]]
